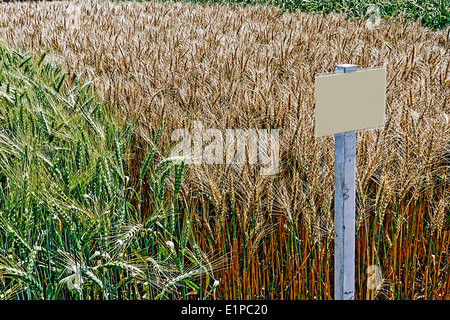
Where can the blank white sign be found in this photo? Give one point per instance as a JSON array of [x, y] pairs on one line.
[[350, 101]]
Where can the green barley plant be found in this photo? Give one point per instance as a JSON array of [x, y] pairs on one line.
[[69, 221]]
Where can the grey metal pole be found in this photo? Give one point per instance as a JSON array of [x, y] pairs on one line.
[[344, 208]]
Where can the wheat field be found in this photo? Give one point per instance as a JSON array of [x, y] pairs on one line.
[[165, 65]]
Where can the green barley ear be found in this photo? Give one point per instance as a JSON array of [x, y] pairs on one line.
[[201, 258], [121, 213], [186, 231], [97, 184], [31, 261], [78, 155], [127, 135], [107, 179], [147, 163], [55, 170], [162, 180], [11, 230], [92, 229], [99, 113], [158, 132], [93, 277], [172, 219], [179, 171], [162, 165], [64, 217]]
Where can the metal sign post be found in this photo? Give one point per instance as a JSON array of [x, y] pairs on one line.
[[345, 103]]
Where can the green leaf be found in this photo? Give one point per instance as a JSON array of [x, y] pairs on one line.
[[191, 285]]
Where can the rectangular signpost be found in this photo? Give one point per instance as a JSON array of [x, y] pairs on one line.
[[346, 101]]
